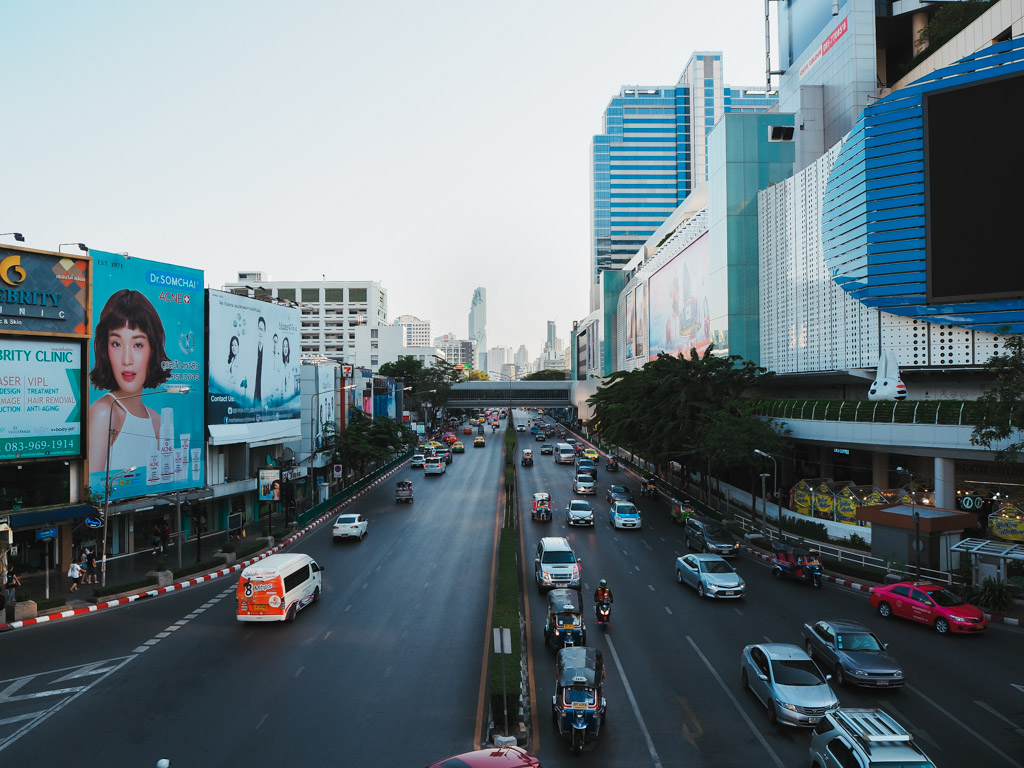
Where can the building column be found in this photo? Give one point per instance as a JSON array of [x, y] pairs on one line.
[[945, 487], [880, 469]]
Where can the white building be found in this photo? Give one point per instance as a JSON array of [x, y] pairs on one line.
[[417, 332], [496, 358], [386, 344], [456, 351]]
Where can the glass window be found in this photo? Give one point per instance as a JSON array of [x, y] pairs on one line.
[[336, 295], [286, 293], [311, 294], [357, 294]]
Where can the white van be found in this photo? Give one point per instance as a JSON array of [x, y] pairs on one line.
[[278, 587], [564, 454]]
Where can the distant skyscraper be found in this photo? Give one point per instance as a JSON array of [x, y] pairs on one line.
[[478, 327], [552, 342], [522, 357], [652, 153]]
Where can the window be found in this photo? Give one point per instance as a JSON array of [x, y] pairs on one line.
[[373, 333], [293, 580], [286, 293], [373, 360], [357, 295], [311, 294], [901, 591], [844, 757]]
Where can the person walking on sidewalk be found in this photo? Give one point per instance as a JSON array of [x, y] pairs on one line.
[[74, 573], [90, 567], [10, 583]]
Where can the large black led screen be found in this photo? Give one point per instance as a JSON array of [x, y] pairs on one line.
[[974, 172]]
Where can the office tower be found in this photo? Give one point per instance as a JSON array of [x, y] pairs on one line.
[[522, 358], [478, 327], [552, 342], [416, 331], [652, 153]]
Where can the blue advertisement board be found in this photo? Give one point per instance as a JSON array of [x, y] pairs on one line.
[[148, 345], [43, 293]]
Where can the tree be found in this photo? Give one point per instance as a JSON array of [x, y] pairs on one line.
[[365, 441], [548, 374], [1000, 416], [475, 375]]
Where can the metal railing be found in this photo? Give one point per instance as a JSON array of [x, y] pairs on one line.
[[948, 412], [306, 517]]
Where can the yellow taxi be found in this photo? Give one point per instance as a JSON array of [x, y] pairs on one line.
[[591, 453], [458, 447], [479, 442], [433, 444]]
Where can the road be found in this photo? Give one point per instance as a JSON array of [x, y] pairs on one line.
[[386, 669]]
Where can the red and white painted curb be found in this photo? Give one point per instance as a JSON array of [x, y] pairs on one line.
[[205, 577]]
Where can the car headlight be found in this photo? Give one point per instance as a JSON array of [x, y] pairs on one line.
[[959, 618], [858, 672], [786, 705]]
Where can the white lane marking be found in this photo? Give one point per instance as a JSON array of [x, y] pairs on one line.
[[917, 731], [766, 638], [967, 728], [636, 709], [43, 694], [299, 671], [88, 669], [172, 628], [992, 711], [636, 567], [19, 718], [328, 634], [151, 642], [162, 635], [191, 615], [668, 610], [141, 649], [196, 612], [738, 611], [735, 703], [347, 607], [650, 587], [182, 623], [261, 722]]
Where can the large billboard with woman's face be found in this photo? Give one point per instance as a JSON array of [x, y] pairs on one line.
[[254, 369], [680, 317], [147, 346]]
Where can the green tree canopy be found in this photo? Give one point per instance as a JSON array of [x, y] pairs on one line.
[[1001, 410], [548, 374]]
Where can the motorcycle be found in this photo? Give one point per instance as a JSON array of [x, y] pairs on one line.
[[649, 488], [604, 614]]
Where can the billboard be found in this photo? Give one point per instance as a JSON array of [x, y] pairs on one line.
[[43, 293], [680, 317], [40, 398], [147, 339], [324, 401], [630, 324], [254, 369], [270, 485], [640, 309]]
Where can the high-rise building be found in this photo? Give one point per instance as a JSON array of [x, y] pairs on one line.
[[497, 357], [478, 327], [455, 351], [522, 357], [552, 342], [652, 153], [416, 331]]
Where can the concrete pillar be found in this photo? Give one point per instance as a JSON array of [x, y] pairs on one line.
[[918, 22], [880, 469], [945, 487]]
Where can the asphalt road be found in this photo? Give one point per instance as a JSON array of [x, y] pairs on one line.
[[386, 669]]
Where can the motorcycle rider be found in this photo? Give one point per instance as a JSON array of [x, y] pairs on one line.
[[603, 594]]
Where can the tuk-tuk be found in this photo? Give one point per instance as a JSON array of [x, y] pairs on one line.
[[681, 511], [526, 459], [578, 705], [564, 623], [649, 487], [796, 562], [403, 491], [541, 506]]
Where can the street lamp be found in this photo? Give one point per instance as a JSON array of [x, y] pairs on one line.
[[17, 236], [106, 485], [917, 521], [81, 246], [775, 490]]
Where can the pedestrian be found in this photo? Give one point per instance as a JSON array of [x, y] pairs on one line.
[[74, 573], [83, 561], [165, 538], [90, 563], [10, 583]]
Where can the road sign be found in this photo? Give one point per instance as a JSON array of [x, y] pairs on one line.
[[502, 640], [337, 471], [971, 501]]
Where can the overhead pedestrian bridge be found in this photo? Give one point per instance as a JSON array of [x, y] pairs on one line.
[[521, 394]]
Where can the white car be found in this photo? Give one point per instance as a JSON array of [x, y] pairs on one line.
[[418, 460], [349, 526], [434, 466], [520, 428], [710, 575], [579, 512], [624, 514], [583, 484]]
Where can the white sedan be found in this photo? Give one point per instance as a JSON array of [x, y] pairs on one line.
[[583, 484], [350, 526], [418, 459]]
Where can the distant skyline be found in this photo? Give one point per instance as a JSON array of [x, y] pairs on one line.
[[431, 147]]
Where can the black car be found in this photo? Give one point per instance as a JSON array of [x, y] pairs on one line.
[[547, 449], [618, 493], [707, 535]]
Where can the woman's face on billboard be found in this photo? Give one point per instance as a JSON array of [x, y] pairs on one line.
[[128, 350]]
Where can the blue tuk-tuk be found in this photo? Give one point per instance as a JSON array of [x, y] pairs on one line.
[[796, 563], [564, 624], [578, 705]]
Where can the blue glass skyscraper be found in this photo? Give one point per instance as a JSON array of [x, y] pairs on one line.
[[652, 152]]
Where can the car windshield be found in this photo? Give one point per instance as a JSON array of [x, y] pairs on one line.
[[617, 488], [582, 696], [715, 566], [583, 479], [945, 598], [796, 672], [346, 519], [579, 506], [859, 641], [625, 509], [559, 558], [717, 531]]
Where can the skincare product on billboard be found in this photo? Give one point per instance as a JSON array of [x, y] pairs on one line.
[[180, 465], [166, 445], [186, 440], [196, 457], [153, 469]]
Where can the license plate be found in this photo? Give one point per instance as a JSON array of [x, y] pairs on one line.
[[813, 719], [883, 682], [579, 705]]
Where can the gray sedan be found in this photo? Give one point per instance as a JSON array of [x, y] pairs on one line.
[[710, 575], [853, 653], [788, 683]]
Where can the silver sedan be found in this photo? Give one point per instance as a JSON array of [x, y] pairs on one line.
[[710, 575], [788, 683]]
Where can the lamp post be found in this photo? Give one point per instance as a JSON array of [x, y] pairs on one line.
[[917, 521], [17, 236], [106, 484], [81, 246], [775, 490]]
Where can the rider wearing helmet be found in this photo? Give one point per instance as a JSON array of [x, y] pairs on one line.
[[603, 594]]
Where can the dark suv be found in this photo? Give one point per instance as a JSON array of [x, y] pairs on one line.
[[445, 453], [707, 535], [586, 467]]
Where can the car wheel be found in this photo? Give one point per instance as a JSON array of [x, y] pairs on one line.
[[687, 539], [773, 716], [743, 678], [679, 576], [700, 590], [941, 625], [810, 649], [316, 595], [884, 610], [837, 673]]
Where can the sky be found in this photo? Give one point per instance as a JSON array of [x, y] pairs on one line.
[[430, 146]]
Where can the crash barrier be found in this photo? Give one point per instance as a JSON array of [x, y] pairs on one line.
[[346, 493]]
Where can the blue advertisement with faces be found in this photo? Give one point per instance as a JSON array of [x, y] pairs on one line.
[[146, 377]]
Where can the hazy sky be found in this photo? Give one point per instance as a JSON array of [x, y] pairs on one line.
[[430, 145]]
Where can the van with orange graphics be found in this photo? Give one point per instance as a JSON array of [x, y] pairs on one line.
[[278, 587]]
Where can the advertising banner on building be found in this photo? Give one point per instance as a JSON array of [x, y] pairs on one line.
[[680, 317], [325, 407], [270, 485], [43, 293], [148, 345], [40, 398], [254, 369], [630, 324], [640, 308]]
